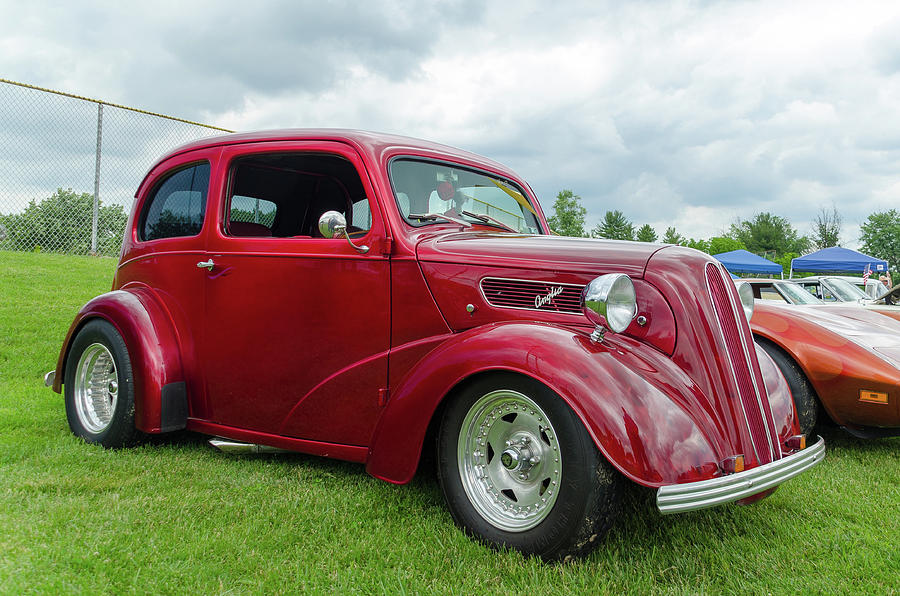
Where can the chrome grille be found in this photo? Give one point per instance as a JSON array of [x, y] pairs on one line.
[[754, 400], [532, 295]]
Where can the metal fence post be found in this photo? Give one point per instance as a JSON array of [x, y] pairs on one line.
[[94, 221], [60, 125]]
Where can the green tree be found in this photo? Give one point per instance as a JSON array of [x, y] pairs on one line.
[[826, 229], [646, 234], [880, 237], [720, 244], [62, 223], [766, 233], [673, 237], [701, 245], [568, 215], [785, 262], [615, 226]]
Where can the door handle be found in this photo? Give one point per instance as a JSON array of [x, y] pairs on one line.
[[208, 264]]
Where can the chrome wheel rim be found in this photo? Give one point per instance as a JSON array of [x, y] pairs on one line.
[[96, 388], [509, 460]]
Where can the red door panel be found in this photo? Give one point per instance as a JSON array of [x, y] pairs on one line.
[[297, 329]]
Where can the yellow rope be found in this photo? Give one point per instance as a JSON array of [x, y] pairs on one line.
[[113, 105]]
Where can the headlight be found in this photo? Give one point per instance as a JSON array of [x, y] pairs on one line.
[[746, 294], [609, 302]]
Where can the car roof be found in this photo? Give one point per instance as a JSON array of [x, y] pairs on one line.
[[372, 142]]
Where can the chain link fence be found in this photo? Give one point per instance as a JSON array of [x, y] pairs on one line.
[[69, 167]]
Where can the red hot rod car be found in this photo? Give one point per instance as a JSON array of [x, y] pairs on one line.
[[364, 296]]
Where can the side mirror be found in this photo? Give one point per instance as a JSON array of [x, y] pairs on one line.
[[334, 225]]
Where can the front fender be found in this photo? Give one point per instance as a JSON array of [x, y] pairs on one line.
[[641, 410], [160, 402], [834, 363]]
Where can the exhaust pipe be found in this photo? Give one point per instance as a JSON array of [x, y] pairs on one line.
[[228, 446]]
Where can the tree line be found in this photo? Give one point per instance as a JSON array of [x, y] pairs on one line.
[[62, 223], [765, 234]]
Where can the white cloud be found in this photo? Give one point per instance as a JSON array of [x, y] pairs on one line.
[[690, 113]]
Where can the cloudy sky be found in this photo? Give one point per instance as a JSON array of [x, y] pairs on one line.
[[677, 113]]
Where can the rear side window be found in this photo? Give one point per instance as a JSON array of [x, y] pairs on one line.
[[178, 204]]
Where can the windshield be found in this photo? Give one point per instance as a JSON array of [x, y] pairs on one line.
[[796, 294], [422, 187], [845, 291]]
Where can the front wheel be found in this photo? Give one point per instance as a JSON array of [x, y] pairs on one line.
[[804, 396], [99, 387], [518, 469]]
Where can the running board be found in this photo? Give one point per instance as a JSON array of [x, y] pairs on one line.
[[228, 446]]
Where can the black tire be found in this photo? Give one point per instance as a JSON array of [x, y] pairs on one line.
[[805, 399], [97, 359], [568, 524]]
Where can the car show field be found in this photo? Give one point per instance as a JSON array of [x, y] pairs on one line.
[[174, 515]]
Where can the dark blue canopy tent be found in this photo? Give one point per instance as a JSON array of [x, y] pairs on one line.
[[838, 259], [744, 261]]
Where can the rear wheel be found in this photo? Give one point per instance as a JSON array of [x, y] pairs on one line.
[[805, 400], [99, 388], [518, 469]]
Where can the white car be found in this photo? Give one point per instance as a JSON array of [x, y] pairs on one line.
[[828, 290], [839, 288]]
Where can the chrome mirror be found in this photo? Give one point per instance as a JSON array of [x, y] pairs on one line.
[[334, 225]]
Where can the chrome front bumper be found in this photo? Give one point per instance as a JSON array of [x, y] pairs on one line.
[[677, 498]]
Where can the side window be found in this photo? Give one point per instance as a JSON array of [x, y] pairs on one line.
[[283, 195], [177, 206], [250, 216], [770, 293]]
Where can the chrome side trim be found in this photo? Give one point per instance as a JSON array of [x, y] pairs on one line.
[[738, 310], [228, 446], [49, 378], [678, 498], [731, 364]]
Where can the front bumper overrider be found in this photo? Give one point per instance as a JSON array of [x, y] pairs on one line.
[[677, 498]]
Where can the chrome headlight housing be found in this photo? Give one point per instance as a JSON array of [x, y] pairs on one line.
[[609, 302], [746, 294]]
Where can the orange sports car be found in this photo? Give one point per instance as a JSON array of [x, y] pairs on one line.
[[842, 361]]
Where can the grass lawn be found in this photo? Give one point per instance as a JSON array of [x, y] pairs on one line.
[[176, 516]]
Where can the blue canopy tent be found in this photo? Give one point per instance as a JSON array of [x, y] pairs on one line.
[[744, 261], [837, 259]]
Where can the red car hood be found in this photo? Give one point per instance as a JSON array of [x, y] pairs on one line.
[[552, 253]]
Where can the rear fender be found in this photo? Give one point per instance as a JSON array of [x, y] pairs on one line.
[[160, 402], [638, 407]]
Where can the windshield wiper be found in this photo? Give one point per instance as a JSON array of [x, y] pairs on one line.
[[487, 219], [434, 216]]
